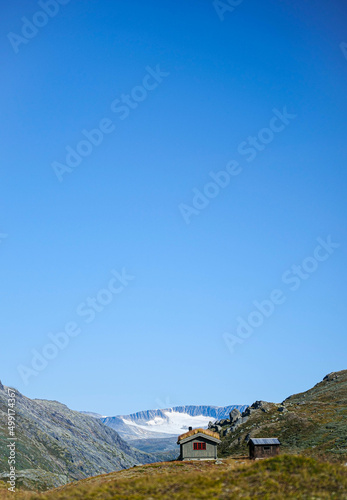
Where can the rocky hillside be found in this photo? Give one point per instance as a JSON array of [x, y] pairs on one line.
[[56, 445], [312, 423]]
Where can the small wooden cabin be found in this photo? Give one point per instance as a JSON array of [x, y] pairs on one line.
[[198, 444], [263, 447]]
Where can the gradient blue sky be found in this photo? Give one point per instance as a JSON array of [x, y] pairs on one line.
[[160, 341]]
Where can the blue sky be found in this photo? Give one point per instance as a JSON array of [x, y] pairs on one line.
[[158, 338]]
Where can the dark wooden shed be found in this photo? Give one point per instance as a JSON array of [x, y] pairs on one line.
[[198, 444], [263, 447]]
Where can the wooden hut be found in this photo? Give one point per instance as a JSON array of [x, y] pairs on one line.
[[263, 447], [198, 444]]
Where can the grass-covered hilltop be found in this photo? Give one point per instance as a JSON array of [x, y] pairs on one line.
[[283, 477], [312, 427]]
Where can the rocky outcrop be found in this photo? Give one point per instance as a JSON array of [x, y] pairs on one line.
[[262, 405], [227, 427], [331, 376], [236, 418], [234, 415]]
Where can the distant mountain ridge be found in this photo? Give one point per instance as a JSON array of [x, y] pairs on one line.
[[217, 412], [163, 423]]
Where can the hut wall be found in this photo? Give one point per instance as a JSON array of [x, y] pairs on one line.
[[264, 451], [188, 452]]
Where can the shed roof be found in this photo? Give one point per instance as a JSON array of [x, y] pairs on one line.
[[257, 441], [207, 432]]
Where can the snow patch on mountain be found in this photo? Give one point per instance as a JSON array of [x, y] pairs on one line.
[[155, 424], [174, 423]]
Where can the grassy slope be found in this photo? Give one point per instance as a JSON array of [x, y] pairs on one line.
[[313, 423], [278, 478]]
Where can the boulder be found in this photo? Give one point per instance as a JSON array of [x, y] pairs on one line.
[[282, 409], [258, 404], [234, 415]]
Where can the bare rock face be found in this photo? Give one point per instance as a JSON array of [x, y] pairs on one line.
[[234, 415], [1, 386]]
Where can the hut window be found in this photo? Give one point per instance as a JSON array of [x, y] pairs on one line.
[[199, 446], [266, 447]]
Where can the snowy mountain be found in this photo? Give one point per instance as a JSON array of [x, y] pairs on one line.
[[168, 422]]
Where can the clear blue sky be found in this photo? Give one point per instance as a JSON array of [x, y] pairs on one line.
[[159, 341]]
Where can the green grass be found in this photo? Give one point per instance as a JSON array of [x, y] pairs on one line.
[[282, 477]]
